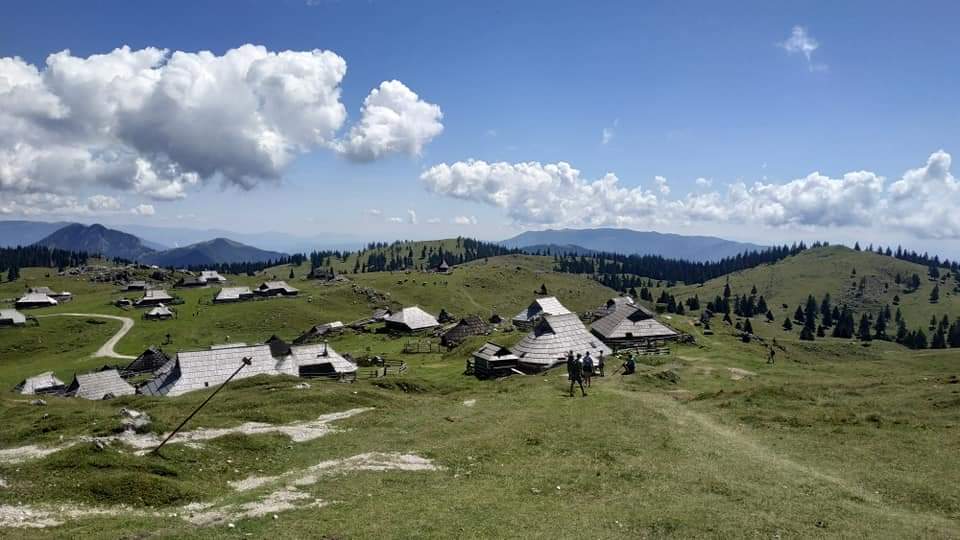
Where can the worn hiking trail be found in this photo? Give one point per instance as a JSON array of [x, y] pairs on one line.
[[739, 441], [107, 349]]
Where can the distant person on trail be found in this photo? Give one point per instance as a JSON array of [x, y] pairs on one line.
[[600, 363], [588, 369], [770, 356], [575, 373], [630, 366]]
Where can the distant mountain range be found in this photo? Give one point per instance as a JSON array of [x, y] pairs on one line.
[[113, 243], [216, 251], [98, 239], [630, 242]]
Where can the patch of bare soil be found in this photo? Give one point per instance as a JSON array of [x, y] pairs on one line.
[[40, 517], [737, 374], [143, 443]]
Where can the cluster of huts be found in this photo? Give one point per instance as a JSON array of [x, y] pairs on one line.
[[37, 297], [555, 331], [267, 289], [203, 279], [162, 375]]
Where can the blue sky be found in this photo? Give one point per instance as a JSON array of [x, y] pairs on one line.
[[685, 91]]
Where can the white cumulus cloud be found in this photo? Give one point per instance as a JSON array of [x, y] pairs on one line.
[[922, 202], [536, 193], [143, 210], [465, 220], [393, 120], [155, 122]]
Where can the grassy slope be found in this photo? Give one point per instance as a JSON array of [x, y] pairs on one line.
[[857, 439], [502, 284], [828, 270]]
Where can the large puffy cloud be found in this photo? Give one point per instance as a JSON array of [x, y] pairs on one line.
[[394, 119], [155, 123], [925, 200], [922, 202], [813, 200], [543, 194]]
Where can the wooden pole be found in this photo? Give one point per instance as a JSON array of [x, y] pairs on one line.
[[246, 362]]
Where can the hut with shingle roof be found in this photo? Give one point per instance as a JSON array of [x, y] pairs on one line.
[[318, 332], [98, 385], [547, 305], [153, 298], [552, 337], [43, 383], [233, 294], [12, 317], [276, 288], [631, 326], [35, 300], [411, 319], [149, 360], [492, 360], [159, 313], [611, 305], [471, 325]]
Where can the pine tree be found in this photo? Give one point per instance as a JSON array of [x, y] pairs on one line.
[[806, 334], [770, 317], [291, 274], [747, 327], [864, 331], [826, 313], [726, 290], [14, 273], [787, 325], [810, 313], [935, 294], [798, 315]]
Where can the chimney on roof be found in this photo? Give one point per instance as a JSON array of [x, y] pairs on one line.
[[325, 348]]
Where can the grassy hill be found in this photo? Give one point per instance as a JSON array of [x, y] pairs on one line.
[[832, 439], [831, 270]]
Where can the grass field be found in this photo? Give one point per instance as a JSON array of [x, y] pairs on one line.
[[832, 440]]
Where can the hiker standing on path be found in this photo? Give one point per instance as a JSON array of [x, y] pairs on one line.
[[575, 373], [630, 366], [600, 363], [588, 369]]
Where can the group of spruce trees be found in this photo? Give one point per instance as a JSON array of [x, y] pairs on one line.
[[14, 258]]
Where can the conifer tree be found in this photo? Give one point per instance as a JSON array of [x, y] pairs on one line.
[[863, 332]]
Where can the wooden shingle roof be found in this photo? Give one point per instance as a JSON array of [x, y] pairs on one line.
[[631, 319], [552, 337], [99, 385]]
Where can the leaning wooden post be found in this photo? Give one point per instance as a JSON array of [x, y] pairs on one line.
[[246, 362]]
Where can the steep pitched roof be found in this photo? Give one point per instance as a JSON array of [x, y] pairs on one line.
[[492, 351], [413, 318], [12, 316], [471, 325], [552, 337], [149, 360], [276, 286], [548, 305], [160, 311], [611, 305], [211, 275], [36, 298], [227, 294], [318, 331], [38, 383], [311, 355], [631, 319], [99, 385], [195, 370]]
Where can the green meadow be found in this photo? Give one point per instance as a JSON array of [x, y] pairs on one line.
[[833, 439]]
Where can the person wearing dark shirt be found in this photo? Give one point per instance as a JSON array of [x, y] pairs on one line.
[[575, 373]]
